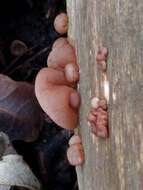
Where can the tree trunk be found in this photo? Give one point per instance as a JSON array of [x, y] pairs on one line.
[[115, 163]]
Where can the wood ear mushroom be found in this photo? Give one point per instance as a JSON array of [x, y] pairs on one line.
[[53, 86], [101, 58], [75, 153], [61, 23]]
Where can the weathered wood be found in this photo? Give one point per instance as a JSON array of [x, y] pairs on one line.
[[116, 163]]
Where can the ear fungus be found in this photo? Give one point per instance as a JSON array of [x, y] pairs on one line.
[[75, 153], [61, 55], [54, 97], [60, 42], [61, 23], [53, 85]]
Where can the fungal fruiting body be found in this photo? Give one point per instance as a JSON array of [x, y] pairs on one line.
[[62, 54], [18, 48], [54, 84], [98, 117], [61, 23], [101, 58], [75, 153], [60, 42]]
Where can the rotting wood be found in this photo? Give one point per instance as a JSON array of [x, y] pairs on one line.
[[115, 163]]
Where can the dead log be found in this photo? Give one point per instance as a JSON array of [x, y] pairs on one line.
[[115, 163]]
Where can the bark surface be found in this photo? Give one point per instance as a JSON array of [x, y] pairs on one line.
[[115, 163]]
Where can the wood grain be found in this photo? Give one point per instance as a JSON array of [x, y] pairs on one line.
[[115, 163]]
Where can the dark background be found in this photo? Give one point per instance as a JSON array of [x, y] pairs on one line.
[[31, 21]]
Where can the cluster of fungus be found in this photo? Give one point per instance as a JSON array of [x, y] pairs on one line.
[[55, 89], [98, 117], [101, 58], [54, 85], [59, 80]]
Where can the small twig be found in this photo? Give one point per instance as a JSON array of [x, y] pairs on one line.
[[14, 62], [37, 55], [31, 59]]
